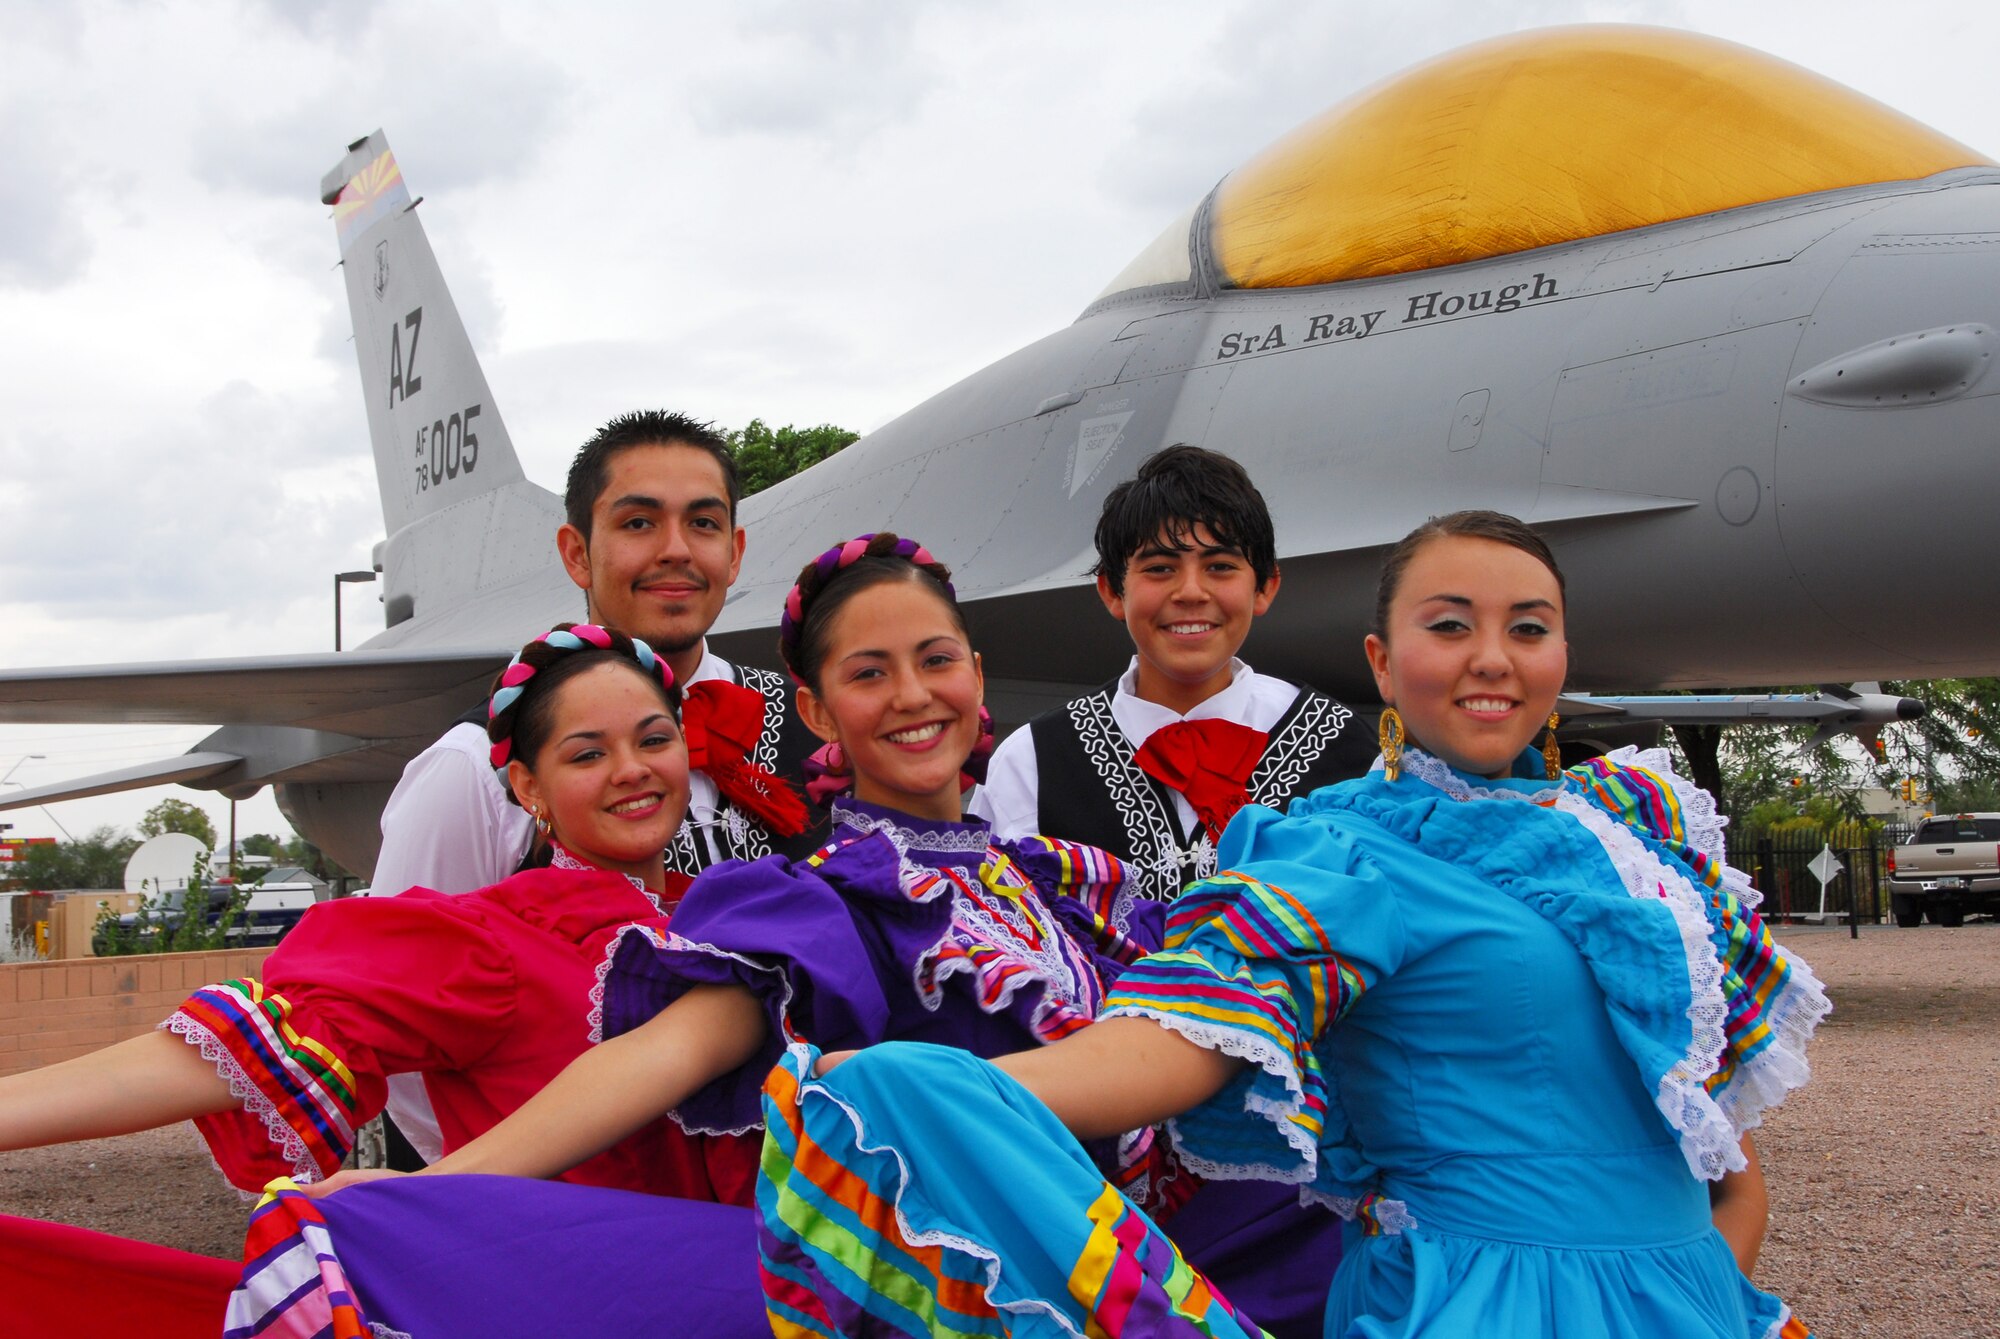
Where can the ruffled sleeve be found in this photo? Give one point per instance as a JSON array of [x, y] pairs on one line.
[[1090, 891], [308, 1046], [1259, 961], [826, 945], [1772, 1002]]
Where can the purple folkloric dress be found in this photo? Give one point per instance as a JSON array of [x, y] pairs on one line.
[[898, 928]]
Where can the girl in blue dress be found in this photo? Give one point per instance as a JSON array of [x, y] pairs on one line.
[[1513, 1023]]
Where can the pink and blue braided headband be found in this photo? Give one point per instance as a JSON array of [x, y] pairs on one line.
[[514, 679]]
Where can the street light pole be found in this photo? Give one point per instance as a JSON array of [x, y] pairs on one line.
[[8, 780], [17, 766], [340, 579]]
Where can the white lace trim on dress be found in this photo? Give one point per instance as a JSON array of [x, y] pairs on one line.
[[960, 840], [1708, 1138], [594, 1021], [1709, 1135], [681, 942], [276, 1127], [1768, 1077], [1392, 1216], [1777, 1326], [560, 858], [988, 1258], [1699, 816]]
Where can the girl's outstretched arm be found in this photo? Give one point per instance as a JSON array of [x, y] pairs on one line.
[[1121, 1074], [1740, 1206], [611, 1090], [151, 1080]]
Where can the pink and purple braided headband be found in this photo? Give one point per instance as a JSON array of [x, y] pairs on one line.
[[576, 637], [827, 772], [834, 559]]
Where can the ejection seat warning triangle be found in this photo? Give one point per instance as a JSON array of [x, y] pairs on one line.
[[1094, 439]]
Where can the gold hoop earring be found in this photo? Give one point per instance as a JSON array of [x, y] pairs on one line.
[[1552, 760], [542, 824], [1391, 736]]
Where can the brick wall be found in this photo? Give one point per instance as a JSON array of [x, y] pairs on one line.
[[53, 1011]]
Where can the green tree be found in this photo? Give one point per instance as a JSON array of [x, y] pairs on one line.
[[95, 860], [306, 856], [171, 815], [1954, 751], [767, 455], [263, 844]]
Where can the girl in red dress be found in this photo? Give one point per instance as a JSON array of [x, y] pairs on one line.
[[488, 995]]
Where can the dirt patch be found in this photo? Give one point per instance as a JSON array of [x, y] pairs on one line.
[[1885, 1170], [160, 1186]]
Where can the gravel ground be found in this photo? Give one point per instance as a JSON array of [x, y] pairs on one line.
[[1884, 1172], [1885, 1169]]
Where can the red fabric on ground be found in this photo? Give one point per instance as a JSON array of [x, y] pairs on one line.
[[57, 1280]]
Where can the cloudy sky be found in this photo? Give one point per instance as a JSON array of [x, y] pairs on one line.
[[814, 210]]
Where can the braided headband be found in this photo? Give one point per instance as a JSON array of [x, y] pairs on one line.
[[833, 560], [576, 637]]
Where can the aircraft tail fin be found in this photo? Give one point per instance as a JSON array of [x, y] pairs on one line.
[[437, 435]]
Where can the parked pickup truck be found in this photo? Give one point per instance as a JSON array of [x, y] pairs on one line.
[[1950, 865], [270, 909]]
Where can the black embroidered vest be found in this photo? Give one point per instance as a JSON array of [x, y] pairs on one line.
[[734, 835], [1088, 789]]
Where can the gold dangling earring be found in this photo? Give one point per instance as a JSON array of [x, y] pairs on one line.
[[1391, 736], [1552, 758], [542, 824]]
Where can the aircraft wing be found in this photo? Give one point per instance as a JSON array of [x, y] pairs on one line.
[[1859, 709], [370, 694], [187, 769], [337, 718]]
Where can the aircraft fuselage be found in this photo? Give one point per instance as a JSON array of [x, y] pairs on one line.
[[1673, 405]]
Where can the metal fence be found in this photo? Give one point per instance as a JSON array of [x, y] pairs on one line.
[[1779, 865]]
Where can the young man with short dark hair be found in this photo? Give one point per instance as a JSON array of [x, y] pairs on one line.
[[651, 539], [1152, 765]]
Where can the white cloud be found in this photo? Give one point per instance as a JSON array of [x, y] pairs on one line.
[[829, 69], [41, 246]]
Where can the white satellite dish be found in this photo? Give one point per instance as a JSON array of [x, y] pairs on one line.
[[163, 863]]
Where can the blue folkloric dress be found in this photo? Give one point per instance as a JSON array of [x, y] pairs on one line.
[[897, 928], [1512, 1030]]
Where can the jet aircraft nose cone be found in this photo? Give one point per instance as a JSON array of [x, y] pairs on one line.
[[1546, 137]]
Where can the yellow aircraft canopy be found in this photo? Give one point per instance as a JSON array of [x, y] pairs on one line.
[[1547, 137]]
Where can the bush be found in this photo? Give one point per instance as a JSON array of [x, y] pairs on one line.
[[160, 926]]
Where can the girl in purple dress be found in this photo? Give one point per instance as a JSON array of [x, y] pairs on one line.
[[911, 923]]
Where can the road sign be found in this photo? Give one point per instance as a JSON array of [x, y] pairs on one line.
[[1825, 867]]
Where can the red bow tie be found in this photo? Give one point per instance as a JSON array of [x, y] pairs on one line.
[[722, 722], [1210, 762]]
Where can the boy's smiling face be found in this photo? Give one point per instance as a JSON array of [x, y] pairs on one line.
[[1188, 611]]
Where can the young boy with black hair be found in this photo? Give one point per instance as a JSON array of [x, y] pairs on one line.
[[1152, 765]]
